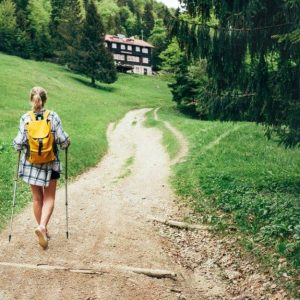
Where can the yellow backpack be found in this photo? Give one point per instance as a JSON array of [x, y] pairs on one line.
[[40, 139]]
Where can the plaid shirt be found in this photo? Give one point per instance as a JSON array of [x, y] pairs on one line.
[[39, 174]]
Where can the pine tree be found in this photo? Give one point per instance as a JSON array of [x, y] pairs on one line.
[[24, 45], [70, 29], [56, 16], [253, 54], [38, 16], [21, 6], [171, 57], [185, 88], [148, 20], [109, 12], [158, 39], [127, 20], [94, 60], [8, 26]]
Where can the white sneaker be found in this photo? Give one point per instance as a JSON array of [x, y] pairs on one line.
[[43, 241]]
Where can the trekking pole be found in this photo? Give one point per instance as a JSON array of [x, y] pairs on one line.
[[14, 196], [66, 190]]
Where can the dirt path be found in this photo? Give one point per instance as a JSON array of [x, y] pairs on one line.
[[112, 238]]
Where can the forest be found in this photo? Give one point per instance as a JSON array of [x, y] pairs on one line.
[[232, 69], [227, 60], [71, 32]]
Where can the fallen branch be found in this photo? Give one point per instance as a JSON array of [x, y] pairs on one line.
[[181, 225], [47, 267], [157, 273], [87, 271]]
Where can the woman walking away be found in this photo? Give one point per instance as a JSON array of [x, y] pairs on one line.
[[39, 134]]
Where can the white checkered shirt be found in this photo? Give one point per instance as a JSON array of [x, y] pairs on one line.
[[40, 174]]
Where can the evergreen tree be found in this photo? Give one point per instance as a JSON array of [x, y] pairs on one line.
[[132, 5], [38, 14], [109, 12], [21, 14], [253, 54], [127, 21], [158, 39], [148, 20], [171, 57], [22, 44], [138, 26], [21, 4], [185, 88], [51, 28], [164, 13], [70, 30], [8, 26], [56, 17], [94, 60], [85, 4]]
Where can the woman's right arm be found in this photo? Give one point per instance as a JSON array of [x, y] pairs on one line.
[[61, 137], [20, 140]]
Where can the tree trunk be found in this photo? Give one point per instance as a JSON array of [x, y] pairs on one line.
[[93, 81]]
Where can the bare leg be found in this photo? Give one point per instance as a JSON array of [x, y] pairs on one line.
[[37, 195], [48, 202]]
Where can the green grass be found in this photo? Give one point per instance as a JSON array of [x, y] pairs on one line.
[[126, 168], [85, 112], [169, 140], [241, 182]]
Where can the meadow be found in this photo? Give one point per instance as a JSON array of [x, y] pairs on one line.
[[85, 113], [233, 177], [241, 183]]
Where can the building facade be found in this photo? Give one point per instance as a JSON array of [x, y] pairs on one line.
[[130, 55]]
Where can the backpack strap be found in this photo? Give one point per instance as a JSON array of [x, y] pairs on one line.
[[45, 115], [32, 115]]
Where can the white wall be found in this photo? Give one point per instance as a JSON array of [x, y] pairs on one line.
[[140, 70]]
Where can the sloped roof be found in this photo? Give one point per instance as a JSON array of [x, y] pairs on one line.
[[128, 41]]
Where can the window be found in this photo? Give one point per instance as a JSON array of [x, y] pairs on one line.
[[114, 45], [119, 56], [123, 47], [137, 49], [145, 50], [145, 60], [129, 47], [133, 58], [105, 44]]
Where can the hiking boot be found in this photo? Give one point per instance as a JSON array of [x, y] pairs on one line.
[[42, 237]]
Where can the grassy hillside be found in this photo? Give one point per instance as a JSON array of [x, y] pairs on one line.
[[85, 112], [238, 180], [233, 176]]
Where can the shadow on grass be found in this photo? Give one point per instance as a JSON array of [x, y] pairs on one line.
[[104, 88], [182, 113]]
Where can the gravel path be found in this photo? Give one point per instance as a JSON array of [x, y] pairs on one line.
[[114, 241]]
